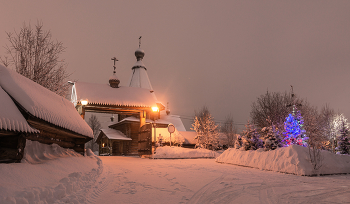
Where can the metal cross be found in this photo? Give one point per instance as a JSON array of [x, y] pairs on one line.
[[294, 104], [114, 59], [140, 41]]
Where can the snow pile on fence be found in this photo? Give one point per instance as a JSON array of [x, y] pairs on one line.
[[49, 174], [183, 153], [293, 159]]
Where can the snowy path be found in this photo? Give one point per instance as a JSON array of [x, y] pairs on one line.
[[135, 180]]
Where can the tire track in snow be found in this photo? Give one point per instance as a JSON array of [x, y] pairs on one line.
[[223, 194], [100, 185], [229, 189]]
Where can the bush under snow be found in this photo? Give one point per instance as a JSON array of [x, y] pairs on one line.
[[294, 159]]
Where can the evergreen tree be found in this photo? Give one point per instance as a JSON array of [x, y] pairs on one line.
[[238, 142], [294, 131], [206, 129], [270, 135], [250, 138], [343, 141]]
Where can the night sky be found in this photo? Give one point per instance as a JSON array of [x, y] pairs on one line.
[[222, 54]]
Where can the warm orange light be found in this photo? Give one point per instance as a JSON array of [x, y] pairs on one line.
[[84, 102], [103, 145], [155, 109]]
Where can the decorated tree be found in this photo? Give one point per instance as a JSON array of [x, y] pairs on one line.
[[294, 131], [250, 138]]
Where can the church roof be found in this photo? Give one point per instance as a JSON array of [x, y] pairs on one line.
[[42, 103], [103, 94], [11, 118]]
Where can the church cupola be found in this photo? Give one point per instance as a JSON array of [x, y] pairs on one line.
[[139, 77], [113, 80], [139, 54]]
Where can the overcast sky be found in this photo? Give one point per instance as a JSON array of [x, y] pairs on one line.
[[222, 54]]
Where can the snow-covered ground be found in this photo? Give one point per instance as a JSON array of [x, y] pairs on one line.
[[62, 176], [183, 153], [48, 174]]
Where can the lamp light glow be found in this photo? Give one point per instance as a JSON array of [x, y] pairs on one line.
[[84, 102], [155, 109]]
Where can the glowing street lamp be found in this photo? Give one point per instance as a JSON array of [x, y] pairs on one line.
[[84, 102]]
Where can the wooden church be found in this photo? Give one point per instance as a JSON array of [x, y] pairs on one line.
[[139, 112]]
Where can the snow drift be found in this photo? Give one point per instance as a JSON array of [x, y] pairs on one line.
[[293, 159], [48, 174], [183, 153]]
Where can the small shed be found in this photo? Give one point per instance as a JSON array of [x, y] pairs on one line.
[[113, 142], [54, 119]]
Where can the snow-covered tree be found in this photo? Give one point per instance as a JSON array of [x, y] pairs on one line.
[[238, 141], [33, 54], [250, 138], [343, 140], [270, 135], [294, 130], [206, 129], [325, 126], [95, 125], [339, 121]]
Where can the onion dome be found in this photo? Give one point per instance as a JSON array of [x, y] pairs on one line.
[[114, 81], [139, 54]]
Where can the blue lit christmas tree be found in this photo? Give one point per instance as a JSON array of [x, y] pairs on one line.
[[293, 126], [294, 131]]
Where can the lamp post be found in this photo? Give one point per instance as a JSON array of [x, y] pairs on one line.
[[155, 111]]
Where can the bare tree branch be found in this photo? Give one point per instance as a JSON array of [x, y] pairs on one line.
[[33, 54]]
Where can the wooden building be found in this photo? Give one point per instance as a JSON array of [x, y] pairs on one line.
[[13, 130], [44, 116], [132, 133]]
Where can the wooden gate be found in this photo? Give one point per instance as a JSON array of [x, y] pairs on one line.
[[145, 140]]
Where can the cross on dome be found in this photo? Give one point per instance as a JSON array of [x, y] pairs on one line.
[[114, 81]]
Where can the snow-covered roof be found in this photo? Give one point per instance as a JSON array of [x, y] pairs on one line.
[[103, 94], [189, 136], [134, 119], [173, 119], [11, 118], [114, 134], [165, 119], [43, 103]]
